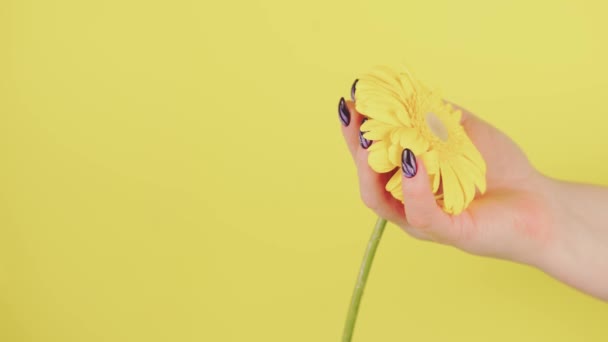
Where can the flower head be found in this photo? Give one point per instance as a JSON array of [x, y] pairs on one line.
[[403, 113]]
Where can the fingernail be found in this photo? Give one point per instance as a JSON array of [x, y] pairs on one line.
[[343, 112], [364, 142], [408, 163], [353, 88]]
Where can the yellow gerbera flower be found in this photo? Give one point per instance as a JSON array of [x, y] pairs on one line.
[[403, 113]]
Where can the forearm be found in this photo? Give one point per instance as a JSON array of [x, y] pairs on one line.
[[578, 251]]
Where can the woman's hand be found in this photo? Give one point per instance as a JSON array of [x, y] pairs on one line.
[[519, 218]]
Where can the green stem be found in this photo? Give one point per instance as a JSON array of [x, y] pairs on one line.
[[366, 265]]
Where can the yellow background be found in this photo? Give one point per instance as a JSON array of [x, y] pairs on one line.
[[174, 170]]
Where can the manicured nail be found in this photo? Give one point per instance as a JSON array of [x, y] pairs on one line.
[[343, 112], [408, 163], [364, 142], [353, 88]]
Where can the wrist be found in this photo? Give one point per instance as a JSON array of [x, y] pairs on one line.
[[573, 252], [541, 227], [552, 249]]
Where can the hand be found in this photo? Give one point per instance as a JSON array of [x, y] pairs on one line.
[[556, 226], [511, 220]]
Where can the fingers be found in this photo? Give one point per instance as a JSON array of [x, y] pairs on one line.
[[351, 121], [421, 208], [371, 184], [419, 215]]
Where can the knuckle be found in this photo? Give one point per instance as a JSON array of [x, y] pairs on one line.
[[417, 222]]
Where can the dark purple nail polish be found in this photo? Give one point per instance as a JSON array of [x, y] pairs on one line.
[[343, 112], [353, 88], [408, 163], [364, 142]]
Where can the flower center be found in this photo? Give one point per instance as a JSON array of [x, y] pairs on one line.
[[437, 126]]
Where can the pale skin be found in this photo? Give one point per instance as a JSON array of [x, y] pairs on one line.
[[558, 227]]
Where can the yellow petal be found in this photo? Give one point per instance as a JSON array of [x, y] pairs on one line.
[[370, 84], [404, 116], [376, 130], [469, 193], [380, 110], [386, 85], [369, 91], [398, 193], [394, 183], [431, 179], [375, 135], [407, 137], [378, 145], [386, 75], [408, 83], [391, 112], [466, 183], [472, 171], [394, 155], [470, 151], [452, 192], [431, 162], [414, 141], [378, 161], [371, 124], [436, 180], [378, 158], [369, 88], [395, 136]]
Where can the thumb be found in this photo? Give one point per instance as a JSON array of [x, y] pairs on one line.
[[421, 209]]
